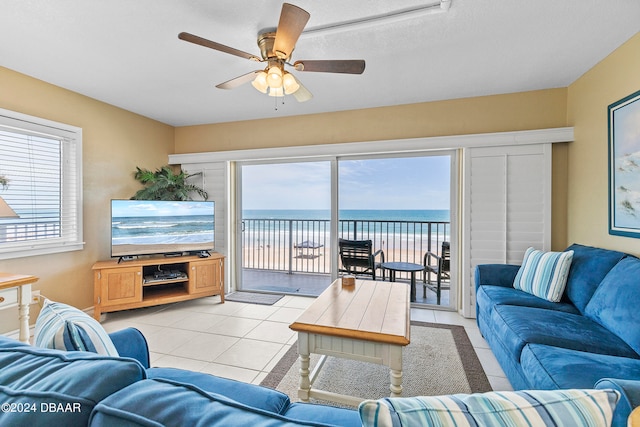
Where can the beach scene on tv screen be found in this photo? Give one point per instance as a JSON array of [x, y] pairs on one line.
[[156, 227]]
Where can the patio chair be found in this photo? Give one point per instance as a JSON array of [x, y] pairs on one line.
[[357, 257], [439, 265]]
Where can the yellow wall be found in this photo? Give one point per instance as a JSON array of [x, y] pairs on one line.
[[114, 143], [612, 79], [499, 113]]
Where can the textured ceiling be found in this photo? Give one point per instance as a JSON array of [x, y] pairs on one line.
[[127, 53]]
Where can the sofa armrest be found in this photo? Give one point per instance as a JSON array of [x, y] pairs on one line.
[[629, 397], [496, 274], [131, 343]]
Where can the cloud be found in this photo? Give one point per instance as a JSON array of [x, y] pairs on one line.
[[388, 183]]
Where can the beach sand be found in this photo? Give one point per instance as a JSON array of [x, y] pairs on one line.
[[314, 260]]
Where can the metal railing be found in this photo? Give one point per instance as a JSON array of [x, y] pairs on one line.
[[303, 245]]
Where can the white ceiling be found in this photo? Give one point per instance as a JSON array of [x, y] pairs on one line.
[[127, 53]]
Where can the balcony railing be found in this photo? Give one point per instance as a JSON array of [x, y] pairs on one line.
[[303, 246]]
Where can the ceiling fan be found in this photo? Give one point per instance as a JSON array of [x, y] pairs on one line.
[[275, 49]]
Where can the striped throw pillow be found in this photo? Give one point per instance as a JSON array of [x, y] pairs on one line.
[[60, 326], [558, 408], [544, 274]]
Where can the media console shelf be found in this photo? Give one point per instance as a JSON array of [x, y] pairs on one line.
[[155, 281]]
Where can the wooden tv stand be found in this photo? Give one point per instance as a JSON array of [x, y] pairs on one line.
[[134, 284]]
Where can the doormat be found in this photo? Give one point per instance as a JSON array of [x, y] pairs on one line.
[[253, 298]]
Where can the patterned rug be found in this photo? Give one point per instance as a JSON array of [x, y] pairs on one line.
[[439, 360], [253, 298]]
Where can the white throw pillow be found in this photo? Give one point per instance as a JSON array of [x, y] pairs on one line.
[[544, 274], [60, 326]]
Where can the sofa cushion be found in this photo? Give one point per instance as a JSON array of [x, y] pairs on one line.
[[616, 302], [249, 394], [63, 327], [544, 274], [518, 326], [324, 413], [549, 367], [588, 268], [587, 408], [169, 403], [65, 385], [489, 296], [629, 398]]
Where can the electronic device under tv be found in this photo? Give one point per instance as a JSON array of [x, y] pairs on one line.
[[152, 227]]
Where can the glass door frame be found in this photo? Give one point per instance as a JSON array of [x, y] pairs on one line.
[[455, 220]]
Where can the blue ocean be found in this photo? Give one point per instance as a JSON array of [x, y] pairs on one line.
[[383, 226], [432, 215], [162, 229]]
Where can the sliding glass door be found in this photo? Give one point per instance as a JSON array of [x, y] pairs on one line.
[[285, 227], [293, 214], [403, 205]]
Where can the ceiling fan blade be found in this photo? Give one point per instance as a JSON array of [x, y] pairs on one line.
[[217, 46], [347, 66], [292, 22], [238, 81], [302, 94]]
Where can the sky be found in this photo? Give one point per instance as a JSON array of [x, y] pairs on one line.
[[147, 208], [389, 183]]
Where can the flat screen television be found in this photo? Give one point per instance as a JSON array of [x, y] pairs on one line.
[[151, 227]]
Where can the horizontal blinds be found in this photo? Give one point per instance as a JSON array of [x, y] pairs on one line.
[[41, 188]]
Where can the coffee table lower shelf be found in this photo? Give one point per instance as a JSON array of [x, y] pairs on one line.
[[385, 354]]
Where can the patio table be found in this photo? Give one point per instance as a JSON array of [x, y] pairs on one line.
[[407, 267]]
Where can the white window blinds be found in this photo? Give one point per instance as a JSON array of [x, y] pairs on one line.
[[41, 183]]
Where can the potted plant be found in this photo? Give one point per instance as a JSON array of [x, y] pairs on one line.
[[164, 184]]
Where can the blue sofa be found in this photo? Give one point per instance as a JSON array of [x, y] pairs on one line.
[[590, 339], [42, 387]]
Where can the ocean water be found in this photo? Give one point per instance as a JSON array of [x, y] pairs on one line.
[[162, 229], [385, 227], [433, 215]]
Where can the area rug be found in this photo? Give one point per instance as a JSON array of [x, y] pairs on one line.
[[439, 360], [253, 298]]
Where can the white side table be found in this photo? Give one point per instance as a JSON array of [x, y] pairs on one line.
[[15, 290]]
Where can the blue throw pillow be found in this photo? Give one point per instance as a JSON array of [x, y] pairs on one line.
[[62, 327], [588, 267], [615, 304], [559, 408], [544, 274]]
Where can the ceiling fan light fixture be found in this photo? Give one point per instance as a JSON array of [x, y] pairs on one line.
[[289, 84], [260, 82], [276, 91], [274, 77]]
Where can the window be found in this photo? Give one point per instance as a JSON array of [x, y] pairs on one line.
[[41, 181]]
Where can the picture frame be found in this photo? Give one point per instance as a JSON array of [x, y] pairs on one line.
[[624, 166]]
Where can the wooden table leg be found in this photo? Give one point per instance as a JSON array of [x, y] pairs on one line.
[[395, 366], [305, 383]]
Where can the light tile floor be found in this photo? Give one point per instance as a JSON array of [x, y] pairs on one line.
[[245, 341]]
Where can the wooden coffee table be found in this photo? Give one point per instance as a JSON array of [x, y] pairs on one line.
[[368, 321]]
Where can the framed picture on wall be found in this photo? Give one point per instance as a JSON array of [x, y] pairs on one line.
[[624, 166]]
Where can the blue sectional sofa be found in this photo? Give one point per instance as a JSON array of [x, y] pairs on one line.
[[583, 341], [42, 387]]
